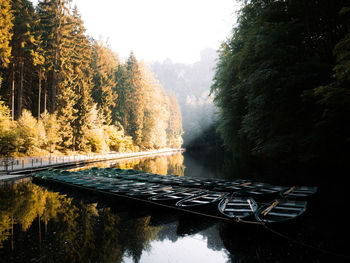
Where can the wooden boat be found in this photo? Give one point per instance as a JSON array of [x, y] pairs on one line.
[[234, 186], [296, 192], [147, 191], [264, 192], [138, 184], [122, 189], [206, 200], [280, 210], [237, 207], [113, 186], [176, 195], [145, 177], [208, 183], [191, 183]]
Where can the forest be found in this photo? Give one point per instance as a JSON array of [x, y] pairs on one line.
[[282, 82], [62, 91]]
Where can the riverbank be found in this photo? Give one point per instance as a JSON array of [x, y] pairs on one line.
[[16, 167]]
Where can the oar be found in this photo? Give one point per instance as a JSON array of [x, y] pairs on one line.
[[238, 185], [289, 190], [166, 188], [272, 206], [195, 197], [250, 204]]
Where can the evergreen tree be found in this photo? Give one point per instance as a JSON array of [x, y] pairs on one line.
[[6, 24], [82, 81], [22, 50], [156, 111], [132, 100], [104, 64], [174, 130], [53, 16], [53, 62]]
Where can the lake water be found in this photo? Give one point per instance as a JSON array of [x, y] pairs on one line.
[[40, 223]]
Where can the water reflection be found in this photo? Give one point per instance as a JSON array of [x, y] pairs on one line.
[[52, 224], [163, 164], [38, 224]]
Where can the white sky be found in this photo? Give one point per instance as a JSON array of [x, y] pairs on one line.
[[190, 249], [159, 29]]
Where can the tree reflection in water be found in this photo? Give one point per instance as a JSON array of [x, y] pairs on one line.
[[164, 164], [38, 224], [61, 225], [35, 223]]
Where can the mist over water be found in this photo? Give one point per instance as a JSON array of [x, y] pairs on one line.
[[191, 84]]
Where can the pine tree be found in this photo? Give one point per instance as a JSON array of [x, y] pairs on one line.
[[53, 16], [174, 130], [156, 111], [104, 64], [22, 51], [131, 97], [6, 24], [82, 83]]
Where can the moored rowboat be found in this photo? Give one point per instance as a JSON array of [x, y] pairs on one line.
[[237, 207], [280, 210], [202, 200], [178, 194], [296, 192]]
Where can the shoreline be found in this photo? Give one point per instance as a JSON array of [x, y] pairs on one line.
[[20, 168]]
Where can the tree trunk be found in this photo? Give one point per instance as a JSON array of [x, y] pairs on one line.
[[13, 94], [39, 94], [20, 92], [54, 83], [45, 98]]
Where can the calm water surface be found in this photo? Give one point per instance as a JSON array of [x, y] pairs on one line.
[[43, 223]]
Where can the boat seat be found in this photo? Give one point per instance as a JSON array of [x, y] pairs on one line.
[[199, 201], [237, 210], [282, 214]]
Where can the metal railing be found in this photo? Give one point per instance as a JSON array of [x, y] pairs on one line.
[[22, 163]]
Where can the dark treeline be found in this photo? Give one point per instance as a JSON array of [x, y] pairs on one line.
[[61, 90], [282, 81]]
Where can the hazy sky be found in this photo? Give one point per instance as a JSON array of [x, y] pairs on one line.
[[159, 29]]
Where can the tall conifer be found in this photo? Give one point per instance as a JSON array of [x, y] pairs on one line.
[[104, 64], [174, 130], [6, 24], [134, 100]]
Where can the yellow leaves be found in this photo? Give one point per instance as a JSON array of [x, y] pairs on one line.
[[6, 24], [92, 208], [5, 226], [31, 134]]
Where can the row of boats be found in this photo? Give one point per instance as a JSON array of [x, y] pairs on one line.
[[239, 200]]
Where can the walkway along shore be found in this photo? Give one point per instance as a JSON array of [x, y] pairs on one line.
[[16, 168]]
